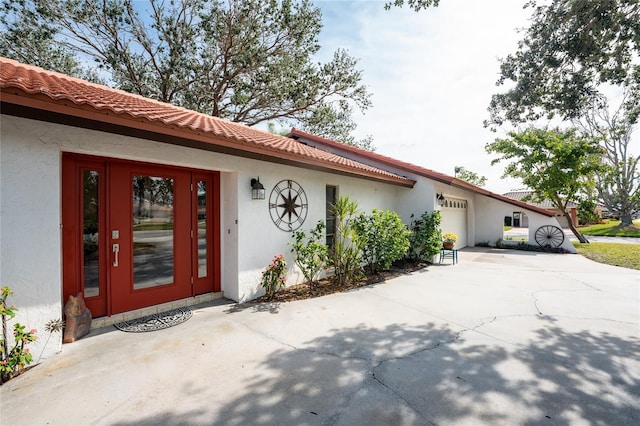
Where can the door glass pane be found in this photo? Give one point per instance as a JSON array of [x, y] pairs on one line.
[[152, 231], [90, 227], [202, 229]]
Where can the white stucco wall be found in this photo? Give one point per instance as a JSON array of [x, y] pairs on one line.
[[258, 232], [490, 224], [415, 201], [229, 234], [30, 201], [30, 211], [30, 260]]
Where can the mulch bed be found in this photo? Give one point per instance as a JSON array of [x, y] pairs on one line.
[[329, 285]]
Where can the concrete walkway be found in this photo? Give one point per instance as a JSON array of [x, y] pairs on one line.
[[502, 338]]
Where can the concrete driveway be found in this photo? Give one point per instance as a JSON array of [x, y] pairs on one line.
[[503, 337]]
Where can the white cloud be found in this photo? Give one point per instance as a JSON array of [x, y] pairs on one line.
[[432, 74]]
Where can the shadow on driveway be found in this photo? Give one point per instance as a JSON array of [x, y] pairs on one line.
[[428, 375]]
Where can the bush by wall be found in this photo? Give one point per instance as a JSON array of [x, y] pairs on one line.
[[312, 254], [346, 254], [384, 238], [425, 240]]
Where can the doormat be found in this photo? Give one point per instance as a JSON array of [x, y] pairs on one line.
[[155, 321]]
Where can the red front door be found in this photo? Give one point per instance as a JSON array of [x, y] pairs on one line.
[[136, 235]]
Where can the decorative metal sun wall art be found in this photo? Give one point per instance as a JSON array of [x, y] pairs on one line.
[[288, 205]]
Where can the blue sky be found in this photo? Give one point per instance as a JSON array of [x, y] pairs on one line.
[[431, 73]]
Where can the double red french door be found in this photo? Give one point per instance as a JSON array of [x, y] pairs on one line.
[[136, 234]]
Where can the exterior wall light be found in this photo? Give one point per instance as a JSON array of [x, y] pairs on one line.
[[257, 189], [440, 199]]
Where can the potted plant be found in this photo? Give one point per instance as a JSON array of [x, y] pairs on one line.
[[449, 240]]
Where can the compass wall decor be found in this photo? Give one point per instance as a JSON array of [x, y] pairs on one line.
[[288, 205]]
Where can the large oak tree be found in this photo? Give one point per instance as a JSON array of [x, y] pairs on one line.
[[249, 61]]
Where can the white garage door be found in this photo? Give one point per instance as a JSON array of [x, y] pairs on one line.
[[454, 219]]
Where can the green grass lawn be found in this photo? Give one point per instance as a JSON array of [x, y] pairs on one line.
[[612, 229], [617, 254]]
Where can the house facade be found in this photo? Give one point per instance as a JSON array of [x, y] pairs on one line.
[[140, 205]]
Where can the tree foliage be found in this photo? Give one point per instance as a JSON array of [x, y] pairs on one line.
[[385, 238], [337, 124], [26, 38], [587, 213], [248, 61], [425, 240], [311, 252], [575, 59], [470, 177], [619, 183], [571, 51], [416, 5], [346, 254], [557, 165]]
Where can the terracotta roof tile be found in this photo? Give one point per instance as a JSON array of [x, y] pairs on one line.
[[32, 81]]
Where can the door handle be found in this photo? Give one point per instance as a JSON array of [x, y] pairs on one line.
[[116, 253]]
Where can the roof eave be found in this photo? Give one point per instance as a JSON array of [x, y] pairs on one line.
[[159, 131], [417, 170]]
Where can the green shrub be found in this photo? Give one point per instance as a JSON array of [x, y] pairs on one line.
[[274, 277], [312, 254], [524, 246], [346, 255], [587, 214], [384, 238], [425, 240], [16, 358]]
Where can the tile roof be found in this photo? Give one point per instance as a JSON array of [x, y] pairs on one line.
[[545, 204], [35, 88], [382, 161]]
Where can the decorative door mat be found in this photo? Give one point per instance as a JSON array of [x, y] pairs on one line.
[[155, 321]]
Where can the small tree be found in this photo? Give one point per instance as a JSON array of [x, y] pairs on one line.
[[311, 252], [346, 256], [384, 237], [557, 165], [425, 240]]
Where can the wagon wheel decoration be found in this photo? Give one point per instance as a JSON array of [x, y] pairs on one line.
[[549, 235]]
